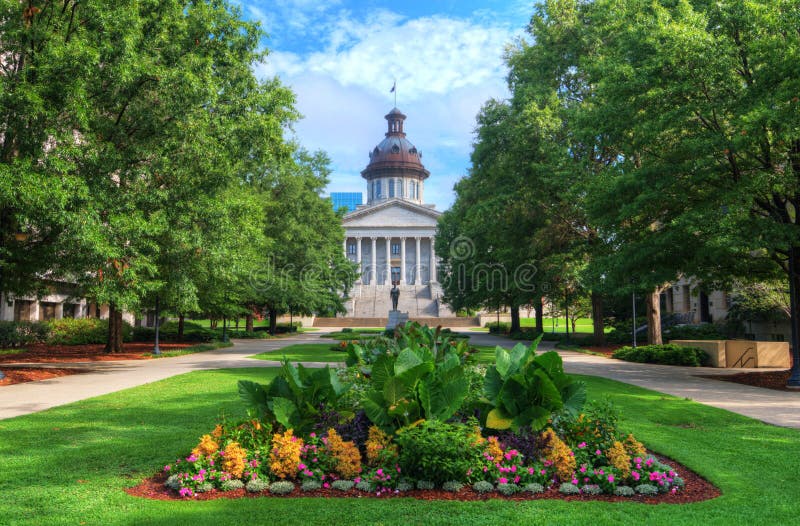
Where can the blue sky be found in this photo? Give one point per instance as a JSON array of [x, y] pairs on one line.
[[340, 58]]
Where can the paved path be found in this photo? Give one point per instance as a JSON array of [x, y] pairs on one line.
[[781, 408], [108, 377], [775, 407]]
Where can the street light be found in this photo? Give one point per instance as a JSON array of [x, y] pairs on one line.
[[794, 379], [156, 349]]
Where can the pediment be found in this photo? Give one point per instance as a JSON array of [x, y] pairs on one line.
[[392, 213]]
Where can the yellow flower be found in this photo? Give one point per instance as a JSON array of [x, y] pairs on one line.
[[634, 447], [217, 433], [559, 453], [207, 446], [619, 458], [346, 454], [235, 456], [494, 449], [378, 443], [285, 454]]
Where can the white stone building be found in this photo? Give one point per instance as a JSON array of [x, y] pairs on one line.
[[392, 236]]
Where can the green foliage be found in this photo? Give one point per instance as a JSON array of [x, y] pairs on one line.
[[646, 489], [257, 485], [342, 485], [533, 487], [281, 487], [526, 390], [311, 485], [295, 398], [508, 489], [567, 488], [18, 333], [669, 354], [438, 452], [597, 426], [365, 485], [231, 485], [425, 485], [82, 331], [704, 331], [483, 486], [452, 485]]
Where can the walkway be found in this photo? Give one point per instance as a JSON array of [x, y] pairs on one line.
[[108, 377], [774, 407], [781, 408]]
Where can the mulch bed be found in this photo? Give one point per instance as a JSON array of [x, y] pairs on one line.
[[606, 350], [29, 374], [42, 353], [775, 380], [697, 489]]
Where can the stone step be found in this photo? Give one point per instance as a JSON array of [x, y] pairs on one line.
[[381, 322]]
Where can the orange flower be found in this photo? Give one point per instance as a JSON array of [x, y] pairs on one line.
[[235, 456], [346, 454], [207, 446]]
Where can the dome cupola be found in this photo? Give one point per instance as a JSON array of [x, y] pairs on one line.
[[395, 167]]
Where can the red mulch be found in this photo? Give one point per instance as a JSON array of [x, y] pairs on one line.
[[697, 489], [768, 379], [28, 374], [43, 353]]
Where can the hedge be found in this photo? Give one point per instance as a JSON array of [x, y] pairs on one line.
[[669, 354]]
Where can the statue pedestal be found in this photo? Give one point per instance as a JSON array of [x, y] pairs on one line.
[[396, 318]]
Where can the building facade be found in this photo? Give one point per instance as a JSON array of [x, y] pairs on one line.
[[347, 200], [391, 237]]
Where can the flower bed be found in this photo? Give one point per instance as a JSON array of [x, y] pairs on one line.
[[422, 422]]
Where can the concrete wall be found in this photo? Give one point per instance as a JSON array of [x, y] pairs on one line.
[[742, 353]]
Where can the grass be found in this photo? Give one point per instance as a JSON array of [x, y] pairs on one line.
[[355, 333], [304, 352], [201, 347], [12, 351], [69, 465]]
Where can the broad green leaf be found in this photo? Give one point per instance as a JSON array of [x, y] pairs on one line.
[[285, 411], [497, 419]]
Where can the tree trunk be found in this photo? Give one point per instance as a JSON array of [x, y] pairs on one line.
[[114, 340], [273, 321], [597, 319], [794, 307], [213, 324], [248, 323], [654, 317], [180, 327], [515, 324], [539, 307]]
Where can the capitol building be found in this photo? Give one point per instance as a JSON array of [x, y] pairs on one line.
[[391, 237]]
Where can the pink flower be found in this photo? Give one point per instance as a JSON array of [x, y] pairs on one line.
[[516, 479], [635, 475], [514, 468], [357, 480], [583, 468], [598, 452], [185, 492], [530, 471], [301, 466], [611, 478], [543, 472], [326, 485], [191, 458], [575, 481], [312, 435], [582, 445], [502, 480], [167, 467]]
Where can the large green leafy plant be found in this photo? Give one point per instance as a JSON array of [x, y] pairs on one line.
[[296, 398], [525, 390], [413, 385]]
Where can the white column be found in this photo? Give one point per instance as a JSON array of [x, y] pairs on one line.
[[402, 261], [59, 311], [373, 277], [418, 263], [358, 260], [344, 247], [388, 280], [433, 262]]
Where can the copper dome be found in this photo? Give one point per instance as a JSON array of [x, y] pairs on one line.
[[395, 156]]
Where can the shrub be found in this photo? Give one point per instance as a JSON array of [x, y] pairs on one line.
[[508, 489], [498, 327], [624, 491], [379, 446], [669, 354], [256, 485], [533, 487], [281, 487], [483, 486], [235, 456], [231, 485], [634, 447], [620, 459], [20, 333], [404, 486], [311, 485], [704, 331], [347, 329], [204, 487], [365, 485], [646, 489], [452, 485], [82, 331], [438, 451], [559, 455], [173, 482], [591, 489], [567, 488], [425, 485], [595, 426], [343, 485]]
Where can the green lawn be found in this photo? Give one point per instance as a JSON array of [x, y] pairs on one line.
[[69, 465], [305, 352]]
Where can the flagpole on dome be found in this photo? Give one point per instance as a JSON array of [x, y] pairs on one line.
[[394, 90]]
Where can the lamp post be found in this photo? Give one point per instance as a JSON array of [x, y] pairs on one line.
[[633, 295], [156, 349], [794, 277]]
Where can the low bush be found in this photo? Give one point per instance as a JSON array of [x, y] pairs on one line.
[[20, 333], [343, 485], [483, 486], [452, 485], [669, 354], [704, 331], [508, 489], [437, 451], [502, 327], [256, 485], [82, 331], [281, 487]]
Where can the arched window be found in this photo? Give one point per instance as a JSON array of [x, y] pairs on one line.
[[391, 187], [378, 189]]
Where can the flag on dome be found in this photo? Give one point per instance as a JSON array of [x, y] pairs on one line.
[[394, 85]]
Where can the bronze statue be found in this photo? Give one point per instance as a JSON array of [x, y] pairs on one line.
[[395, 295]]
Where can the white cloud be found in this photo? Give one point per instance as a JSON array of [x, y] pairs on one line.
[[446, 68]]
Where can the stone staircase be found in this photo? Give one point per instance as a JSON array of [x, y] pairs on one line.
[[419, 301]]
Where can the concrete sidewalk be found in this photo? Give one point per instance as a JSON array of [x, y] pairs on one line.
[[108, 377], [781, 408]]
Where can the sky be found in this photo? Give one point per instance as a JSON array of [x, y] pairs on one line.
[[341, 58]]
